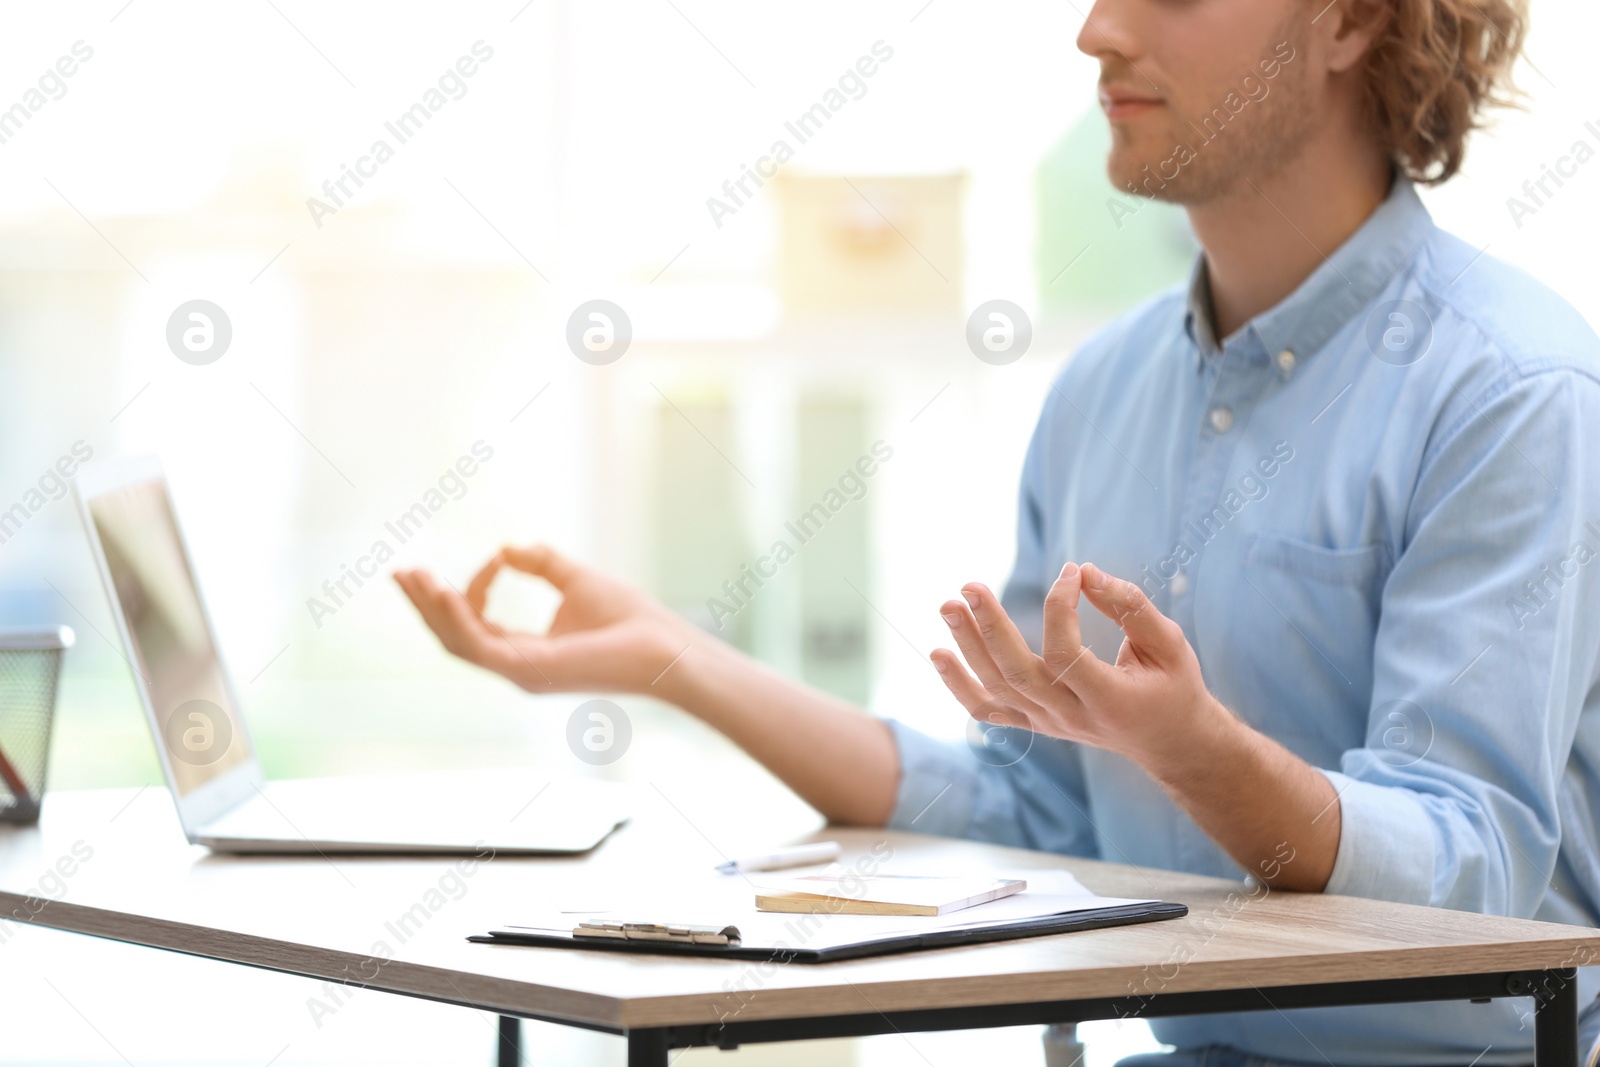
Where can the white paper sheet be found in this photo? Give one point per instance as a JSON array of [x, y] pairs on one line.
[[729, 900]]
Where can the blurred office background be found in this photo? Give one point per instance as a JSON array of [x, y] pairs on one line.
[[424, 310]]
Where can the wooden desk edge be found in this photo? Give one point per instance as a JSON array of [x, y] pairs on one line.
[[615, 1014], [286, 957]]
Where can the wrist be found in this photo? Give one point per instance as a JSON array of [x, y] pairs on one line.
[[1211, 740]]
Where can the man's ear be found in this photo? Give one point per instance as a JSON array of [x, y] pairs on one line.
[[1349, 27]]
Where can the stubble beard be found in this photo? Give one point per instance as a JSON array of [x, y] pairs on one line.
[[1266, 136]]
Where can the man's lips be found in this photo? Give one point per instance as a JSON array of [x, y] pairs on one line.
[[1123, 104]]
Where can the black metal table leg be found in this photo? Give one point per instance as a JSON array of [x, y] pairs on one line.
[[1554, 991], [1555, 1020], [510, 1043], [648, 1048]]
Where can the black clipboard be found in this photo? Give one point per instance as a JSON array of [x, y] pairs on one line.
[[1003, 930]]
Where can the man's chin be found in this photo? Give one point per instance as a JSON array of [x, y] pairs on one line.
[[1136, 175]]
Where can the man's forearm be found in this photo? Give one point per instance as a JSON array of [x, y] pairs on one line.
[[839, 759], [1274, 813]]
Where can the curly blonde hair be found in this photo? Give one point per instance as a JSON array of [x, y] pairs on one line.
[[1432, 72]]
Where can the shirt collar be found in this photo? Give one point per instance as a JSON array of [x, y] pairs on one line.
[[1334, 293]]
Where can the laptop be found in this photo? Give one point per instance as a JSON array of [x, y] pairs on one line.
[[206, 753]]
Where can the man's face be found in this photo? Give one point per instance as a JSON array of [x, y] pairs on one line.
[[1201, 94]]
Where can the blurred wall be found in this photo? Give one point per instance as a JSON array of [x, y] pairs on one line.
[[384, 327]]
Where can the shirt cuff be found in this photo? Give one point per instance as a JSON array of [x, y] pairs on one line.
[[937, 790], [1386, 843]]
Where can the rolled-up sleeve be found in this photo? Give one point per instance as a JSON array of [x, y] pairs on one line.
[[1485, 656], [943, 791], [1037, 802], [1384, 830]]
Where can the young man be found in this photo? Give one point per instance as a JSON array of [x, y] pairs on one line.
[[1339, 496]]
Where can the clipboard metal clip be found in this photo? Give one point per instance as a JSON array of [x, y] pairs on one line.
[[698, 935]]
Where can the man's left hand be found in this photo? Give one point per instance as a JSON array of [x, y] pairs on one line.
[[1151, 706]]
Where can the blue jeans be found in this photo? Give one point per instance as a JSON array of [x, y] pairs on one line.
[[1224, 1056], [1210, 1056]]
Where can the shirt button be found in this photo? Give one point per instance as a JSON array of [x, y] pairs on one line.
[[1180, 584], [1286, 362], [1221, 419]]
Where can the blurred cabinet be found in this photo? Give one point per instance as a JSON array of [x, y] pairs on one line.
[[833, 617], [795, 584], [879, 244], [699, 545]]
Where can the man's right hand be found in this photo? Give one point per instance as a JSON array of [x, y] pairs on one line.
[[606, 635]]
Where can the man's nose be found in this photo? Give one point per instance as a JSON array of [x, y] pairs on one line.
[[1109, 31]]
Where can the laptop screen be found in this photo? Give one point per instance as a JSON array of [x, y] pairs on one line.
[[173, 652]]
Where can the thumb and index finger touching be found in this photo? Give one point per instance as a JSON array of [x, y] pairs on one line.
[[541, 561], [461, 614], [1123, 602]]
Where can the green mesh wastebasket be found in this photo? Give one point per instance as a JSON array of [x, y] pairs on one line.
[[30, 664]]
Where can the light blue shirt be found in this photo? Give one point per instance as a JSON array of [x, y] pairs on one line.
[[1375, 512]]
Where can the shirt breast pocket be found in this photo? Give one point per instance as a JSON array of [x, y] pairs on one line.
[[1321, 617]]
